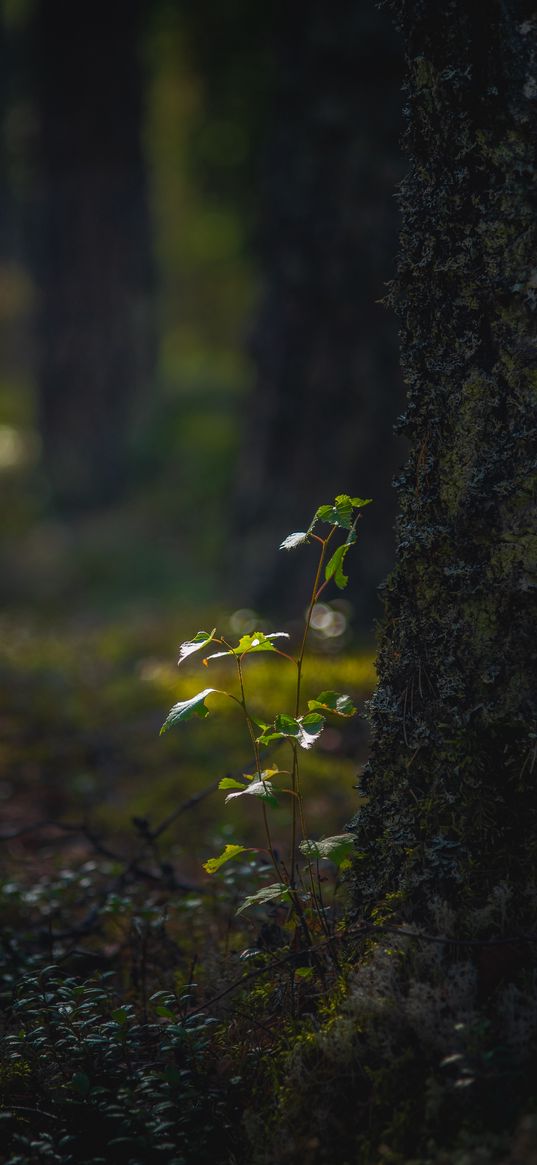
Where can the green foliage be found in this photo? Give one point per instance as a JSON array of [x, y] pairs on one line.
[[248, 644], [201, 639], [82, 1079], [186, 709], [230, 852], [305, 730], [279, 891], [109, 1046], [337, 849], [297, 729], [333, 702]]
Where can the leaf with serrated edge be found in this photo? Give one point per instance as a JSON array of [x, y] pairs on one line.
[[230, 852], [296, 539], [267, 894], [261, 789], [265, 775], [305, 730], [248, 644], [334, 567], [335, 849], [338, 705], [311, 727], [230, 783], [201, 639], [186, 709], [283, 726]]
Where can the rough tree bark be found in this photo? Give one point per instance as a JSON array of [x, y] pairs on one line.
[[431, 1055], [91, 252], [324, 350], [452, 812]]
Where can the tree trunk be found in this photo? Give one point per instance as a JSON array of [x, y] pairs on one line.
[[451, 811], [91, 245], [431, 1056], [324, 349]]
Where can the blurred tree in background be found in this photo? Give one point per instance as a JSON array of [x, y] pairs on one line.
[[197, 226], [327, 383], [90, 245]]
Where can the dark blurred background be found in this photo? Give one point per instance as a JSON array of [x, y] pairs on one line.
[[198, 221]]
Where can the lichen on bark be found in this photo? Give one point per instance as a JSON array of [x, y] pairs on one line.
[[451, 810]]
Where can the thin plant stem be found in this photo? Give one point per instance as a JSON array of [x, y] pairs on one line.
[[255, 747], [298, 810]]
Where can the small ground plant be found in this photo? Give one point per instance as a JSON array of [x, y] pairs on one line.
[[134, 1024], [298, 882]]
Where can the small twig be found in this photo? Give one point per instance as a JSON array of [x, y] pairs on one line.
[[34, 1111], [189, 804], [359, 932]]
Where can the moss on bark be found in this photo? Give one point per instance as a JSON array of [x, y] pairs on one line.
[[431, 1057], [452, 811]]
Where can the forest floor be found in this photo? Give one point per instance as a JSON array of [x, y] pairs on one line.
[[116, 940]]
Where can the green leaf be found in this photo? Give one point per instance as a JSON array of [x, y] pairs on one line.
[[332, 702], [81, 1082], [265, 775], [323, 514], [340, 513], [259, 642], [261, 789], [259, 723], [186, 709], [201, 639], [334, 567], [293, 540], [343, 506], [336, 849], [267, 894], [230, 783], [120, 1015], [227, 855], [311, 727], [303, 972], [251, 643], [284, 726], [305, 730]]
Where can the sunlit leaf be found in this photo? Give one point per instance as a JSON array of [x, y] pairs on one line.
[[201, 639], [311, 727], [303, 972], [336, 849], [283, 726], [338, 514], [230, 783], [259, 723], [341, 512], [261, 789], [252, 643], [324, 514], [227, 855], [186, 709], [259, 642], [293, 540], [265, 775], [305, 730], [334, 567], [332, 702], [267, 894]]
